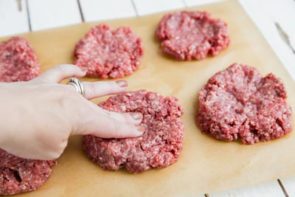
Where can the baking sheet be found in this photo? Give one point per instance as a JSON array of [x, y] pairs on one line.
[[205, 164]]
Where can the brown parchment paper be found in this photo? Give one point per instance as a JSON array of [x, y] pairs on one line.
[[205, 164]]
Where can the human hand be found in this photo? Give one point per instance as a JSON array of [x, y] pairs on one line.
[[38, 116]]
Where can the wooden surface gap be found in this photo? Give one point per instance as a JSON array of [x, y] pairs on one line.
[[283, 188], [19, 5], [28, 15], [81, 11], [134, 7]]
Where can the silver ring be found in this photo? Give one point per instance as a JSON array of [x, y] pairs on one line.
[[78, 85]]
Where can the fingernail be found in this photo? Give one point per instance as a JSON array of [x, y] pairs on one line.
[[137, 116], [141, 128], [122, 83]]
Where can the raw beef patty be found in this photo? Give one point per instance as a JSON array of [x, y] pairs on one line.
[[158, 147], [18, 61], [19, 175], [189, 35], [240, 104], [107, 53]]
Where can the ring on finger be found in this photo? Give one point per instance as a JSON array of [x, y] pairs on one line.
[[76, 83]]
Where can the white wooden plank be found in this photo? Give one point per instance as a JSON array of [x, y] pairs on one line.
[[13, 19], [94, 10], [266, 190], [289, 185], [199, 2], [258, 12], [46, 14], [144, 7]]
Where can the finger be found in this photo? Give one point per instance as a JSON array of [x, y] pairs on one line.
[[131, 117], [96, 89], [114, 127], [61, 72], [105, 124]]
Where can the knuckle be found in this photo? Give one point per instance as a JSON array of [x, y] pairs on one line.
[[66, 97]]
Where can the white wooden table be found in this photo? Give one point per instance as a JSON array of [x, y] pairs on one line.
[[19, 16]]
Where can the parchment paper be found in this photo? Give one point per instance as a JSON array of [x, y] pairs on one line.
[[205, 164]]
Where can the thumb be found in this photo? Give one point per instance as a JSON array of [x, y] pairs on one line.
[[106, 124]]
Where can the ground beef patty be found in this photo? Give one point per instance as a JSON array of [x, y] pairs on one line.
[[107, 53], [188, 35], [158, 147], [239, 104], [22, 175], [18, 61]]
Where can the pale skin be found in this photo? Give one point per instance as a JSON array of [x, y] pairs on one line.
[[38, 116]]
